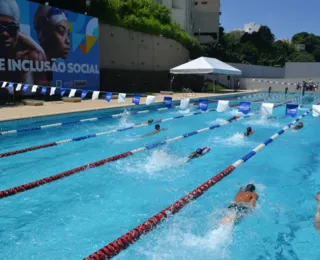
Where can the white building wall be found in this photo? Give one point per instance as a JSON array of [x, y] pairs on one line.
[[304, 70], [206, 19], [251, 27]]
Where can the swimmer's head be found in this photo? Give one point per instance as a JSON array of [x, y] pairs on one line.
[[318, 196], [199, 151], [150, 121], [157, 127], [249, 129], [250, 187], [300, 124]]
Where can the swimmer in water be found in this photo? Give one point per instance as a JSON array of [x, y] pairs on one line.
[[156, 130], [248, 132], [233, 118], [199, 152], [298, 126], [317, 217], [243, 204]]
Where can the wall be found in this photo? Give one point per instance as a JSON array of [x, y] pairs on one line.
[[134, 61], [253, 71], [304, 70], [206, 19]]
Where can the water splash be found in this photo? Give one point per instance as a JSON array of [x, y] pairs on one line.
[[158, 161], [237, 139], [125, 119], [263, 121]]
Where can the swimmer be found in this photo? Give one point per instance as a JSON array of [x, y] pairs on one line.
[[243, 204], [199, 152], [249, 131], [317, 217], [156, 130], [298, 126], [233, 118]]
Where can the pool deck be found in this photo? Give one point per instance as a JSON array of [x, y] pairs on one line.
[[9, 113]]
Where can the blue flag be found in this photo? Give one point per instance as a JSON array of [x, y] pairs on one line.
[[62, 91], [292, 110], [203, 104], [109, 96], [167, 101], [25, 88], [10, 89], [136, 99], [84, 94], [244, 107], [44, 90]]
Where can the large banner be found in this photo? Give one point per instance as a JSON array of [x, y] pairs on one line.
[[48, 46]]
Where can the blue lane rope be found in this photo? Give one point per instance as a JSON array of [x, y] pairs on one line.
[[61, 124], [81, 138]]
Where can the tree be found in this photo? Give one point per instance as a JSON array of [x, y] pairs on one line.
[[302, 57], [316, 53]]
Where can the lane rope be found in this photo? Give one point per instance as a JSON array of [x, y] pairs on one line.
[[61, 124], [34, 184], [82, 138], [126, 240]]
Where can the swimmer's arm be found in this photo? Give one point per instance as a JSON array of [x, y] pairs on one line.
[[317, 222], [253, 200]]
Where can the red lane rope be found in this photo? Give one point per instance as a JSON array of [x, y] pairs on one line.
[[32, 185], [33, 148], [132, 236]]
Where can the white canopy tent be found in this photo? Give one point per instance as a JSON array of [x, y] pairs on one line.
[[205, 65]]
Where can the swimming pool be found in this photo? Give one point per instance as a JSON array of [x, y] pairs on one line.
[[73, 217]]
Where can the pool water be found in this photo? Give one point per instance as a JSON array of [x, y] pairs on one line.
[[73, 217]]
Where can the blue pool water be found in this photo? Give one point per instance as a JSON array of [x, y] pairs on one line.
[[75, 216]]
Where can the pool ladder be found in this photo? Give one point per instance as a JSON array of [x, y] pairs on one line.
[[187, 92]]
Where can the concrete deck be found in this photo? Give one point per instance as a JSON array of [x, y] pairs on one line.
[[60, 107]]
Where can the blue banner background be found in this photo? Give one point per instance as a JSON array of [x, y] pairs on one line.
[[84, 47]]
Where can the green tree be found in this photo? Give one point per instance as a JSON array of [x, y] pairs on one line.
[[316, 53], [302, 57]]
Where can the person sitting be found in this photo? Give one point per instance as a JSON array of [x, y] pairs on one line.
[[156, 130], [233, 118], [243, 204], [199, 152], [298, 126], [248, 132], [317, 216]]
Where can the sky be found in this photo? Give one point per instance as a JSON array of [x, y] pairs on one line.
[[284, 17]]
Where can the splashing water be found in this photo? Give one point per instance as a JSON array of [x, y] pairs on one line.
[[263, 121], [158, 161], [237, 139], [124, 119]]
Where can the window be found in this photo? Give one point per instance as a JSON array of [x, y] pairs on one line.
[[204, 2], [195, 3]]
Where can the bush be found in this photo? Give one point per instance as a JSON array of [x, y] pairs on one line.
[[145, 16]]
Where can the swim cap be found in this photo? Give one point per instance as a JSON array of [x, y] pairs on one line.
[[250, 187], [249, 129], [47, 15], [199, 151], [10, 8], [157, 126]]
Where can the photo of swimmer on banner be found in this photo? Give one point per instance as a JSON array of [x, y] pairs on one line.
[[45, 45]]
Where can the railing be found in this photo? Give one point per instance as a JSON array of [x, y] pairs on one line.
[[187, 92]]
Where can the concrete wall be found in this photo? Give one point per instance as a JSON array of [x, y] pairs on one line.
[[135, 62], [253, 71], [304, 70], [130, 50], [248, 83]]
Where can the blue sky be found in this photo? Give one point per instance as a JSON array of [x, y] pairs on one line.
[[284, 17]]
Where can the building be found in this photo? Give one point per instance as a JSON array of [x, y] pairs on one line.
[[249, 28], [199, 18]]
